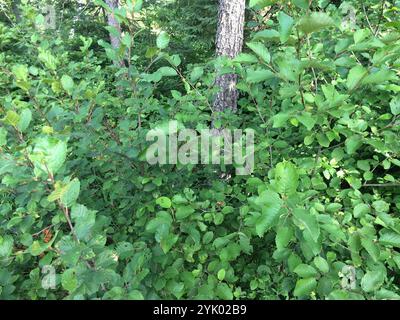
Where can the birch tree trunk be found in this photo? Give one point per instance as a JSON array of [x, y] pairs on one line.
[[229, 42], [113, 22]]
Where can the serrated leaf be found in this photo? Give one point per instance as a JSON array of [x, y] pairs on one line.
[[12, 118], [260, 50], [24, 120], [163, 40], [372, 280], [283, 236], [48, 154], [355, 76], [287, 177], [83, 219], [6, 245], [361, 210], [307, 120], [168, 242], [221, 274], [164, 202], [314, 22], [304, 287], [372, 249], [67, 83], [183, 212], [70, 193], [270, 204], [224, 292], [305, 271], [353, 144], [167, 71], [286, 24], [259, 75], [390, 238], [321, 264], [308, 222], [69, 280], [395, 106]]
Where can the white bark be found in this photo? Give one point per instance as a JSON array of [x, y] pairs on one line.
[[113, 22], [229, 42]]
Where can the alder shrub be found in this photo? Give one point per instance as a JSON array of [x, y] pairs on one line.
[[84, 216]]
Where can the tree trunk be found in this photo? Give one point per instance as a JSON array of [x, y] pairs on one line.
[[16, 10], [229, 42], [113, 22]]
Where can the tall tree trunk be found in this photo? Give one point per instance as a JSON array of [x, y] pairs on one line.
[[16, 10], [229, 42], [113, 22]]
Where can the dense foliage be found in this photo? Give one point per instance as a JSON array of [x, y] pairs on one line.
[[319, 84]]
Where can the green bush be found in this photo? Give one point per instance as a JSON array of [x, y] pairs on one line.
[[323, 201]]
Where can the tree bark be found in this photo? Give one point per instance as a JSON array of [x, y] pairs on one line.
[[229, 43], [16, 10], [113, 22]]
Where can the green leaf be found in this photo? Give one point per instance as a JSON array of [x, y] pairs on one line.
[[285, 26], [395, 106], [304, 287], [270, 204], [163, 40], [84, 220], [224, 292], [314, 22], [308, 222], [24, 120], [221, 274], [372, 249], [267, 34], [253, 3], [379, 77], [167, 71], [69, 281], [12, 118], [196, 73], [168, 242], [283, 237], [307, 120], [305, 271], [372, 280], [135, 295], [355, 76], [70, 193], [164, 202], [323, 140], [361, 210], [67, 83], [162, 220], [390, 238], [381, 206], [280, 119], [36, 248], [183, 212], [259, 75], [3, 136], [20, 72], [260, 50], [6, 245], [137, 8], [353, 144], [48, 154], [287, 177], [176, 288], [321, 264], [302, 4]]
